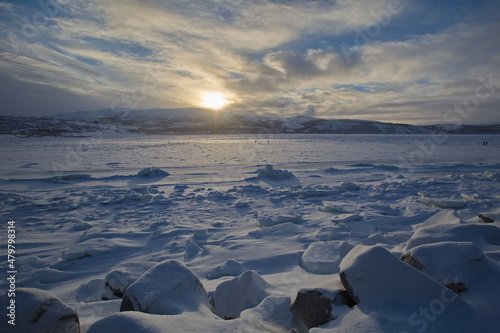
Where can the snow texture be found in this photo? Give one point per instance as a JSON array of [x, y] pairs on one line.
[[270, 316]]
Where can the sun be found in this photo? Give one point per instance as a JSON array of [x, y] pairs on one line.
[[214, 100]]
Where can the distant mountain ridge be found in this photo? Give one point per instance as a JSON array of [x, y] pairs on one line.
[[202, 121]]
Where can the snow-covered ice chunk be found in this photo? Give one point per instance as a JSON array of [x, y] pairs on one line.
[[325, 257], [230, 267], [448, 262], [200, 233], [37, 311], [443, 203], [269, 173], [91, 311], [122, 276], [243, 292], [378, 281], [191, 251], [332, 233], [444, 217], [152, 172], [486, 236], [167, 288], [394, 297]]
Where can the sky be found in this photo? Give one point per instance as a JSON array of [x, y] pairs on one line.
[[402, 61]]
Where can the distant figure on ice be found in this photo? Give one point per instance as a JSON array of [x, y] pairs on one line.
[[485, 143], [267, 141]]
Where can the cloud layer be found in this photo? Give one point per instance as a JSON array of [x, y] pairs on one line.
[[394, 60]]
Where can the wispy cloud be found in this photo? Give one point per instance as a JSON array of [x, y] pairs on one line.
[[345, 59]]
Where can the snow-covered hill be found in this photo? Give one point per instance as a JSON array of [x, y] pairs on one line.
[[202, 121]]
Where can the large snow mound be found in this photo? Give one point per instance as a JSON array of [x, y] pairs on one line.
[[485, 236], [448, 262], [392, 296], [122, 276], [167, 288], [377, 280], [243, 292], [270, 173], [37, 311]]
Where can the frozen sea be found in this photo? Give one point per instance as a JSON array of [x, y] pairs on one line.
[[48, 156], [84, 206]]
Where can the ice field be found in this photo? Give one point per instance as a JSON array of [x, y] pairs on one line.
[[397, 213]]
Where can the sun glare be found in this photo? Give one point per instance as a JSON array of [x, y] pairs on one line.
[[214, 100]]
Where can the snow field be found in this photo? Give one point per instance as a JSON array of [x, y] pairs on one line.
[[253, 244]]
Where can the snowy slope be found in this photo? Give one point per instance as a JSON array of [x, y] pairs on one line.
[[202, 121]]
